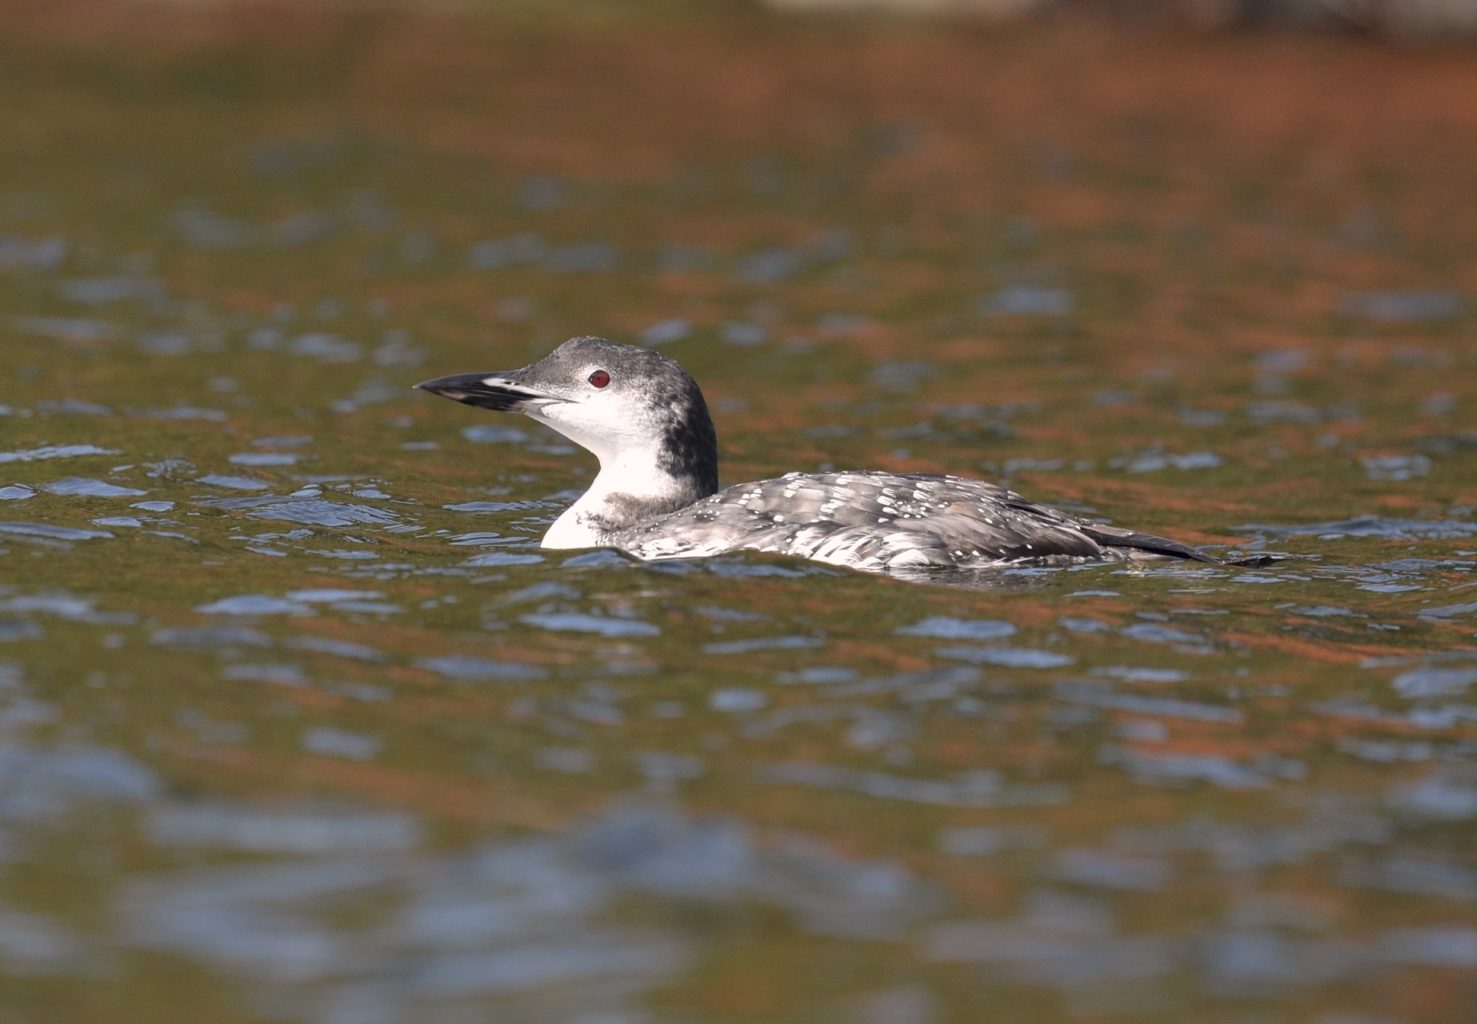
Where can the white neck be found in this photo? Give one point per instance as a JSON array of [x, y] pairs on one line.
[[629, 488]]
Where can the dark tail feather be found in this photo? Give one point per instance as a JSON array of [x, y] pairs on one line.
[[1149, 544]]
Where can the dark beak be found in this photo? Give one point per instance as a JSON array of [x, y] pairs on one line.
[[499, 390]]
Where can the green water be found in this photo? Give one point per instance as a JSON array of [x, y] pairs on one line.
[[297, 722]]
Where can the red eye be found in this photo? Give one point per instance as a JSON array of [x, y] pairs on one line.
[[600, 378]]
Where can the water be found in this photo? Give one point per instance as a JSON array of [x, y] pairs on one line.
[[298, 723]]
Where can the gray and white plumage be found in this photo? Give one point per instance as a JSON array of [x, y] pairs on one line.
[[656, 495]]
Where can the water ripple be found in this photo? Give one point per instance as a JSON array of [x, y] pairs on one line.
[[52, 451]]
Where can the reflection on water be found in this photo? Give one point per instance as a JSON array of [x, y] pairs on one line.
[[297, 722], [550, 921]]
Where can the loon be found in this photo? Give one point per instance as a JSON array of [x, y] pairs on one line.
[[656, 495]]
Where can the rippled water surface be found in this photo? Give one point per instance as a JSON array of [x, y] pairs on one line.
[[298, 723]]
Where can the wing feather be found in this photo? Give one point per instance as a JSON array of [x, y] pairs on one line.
[[881, 520]]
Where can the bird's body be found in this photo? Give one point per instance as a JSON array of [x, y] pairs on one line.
[[656, 495], [881, 521]]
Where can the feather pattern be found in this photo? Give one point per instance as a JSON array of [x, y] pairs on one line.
[[879, 520]]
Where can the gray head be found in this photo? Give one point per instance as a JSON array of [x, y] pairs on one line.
[[617, 401]]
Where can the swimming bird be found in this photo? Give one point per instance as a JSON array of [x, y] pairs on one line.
[[657, 496]]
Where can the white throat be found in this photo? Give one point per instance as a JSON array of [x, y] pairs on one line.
[[631, 486]]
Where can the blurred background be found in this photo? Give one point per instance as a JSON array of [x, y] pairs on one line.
[[298, 723]]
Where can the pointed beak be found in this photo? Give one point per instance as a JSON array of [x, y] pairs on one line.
[[499, 390]]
